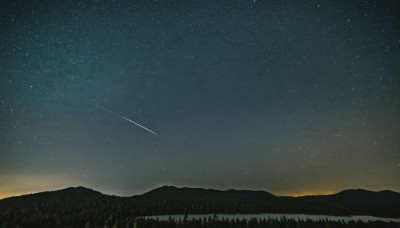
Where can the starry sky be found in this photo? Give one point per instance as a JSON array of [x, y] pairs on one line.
[[290, 97]]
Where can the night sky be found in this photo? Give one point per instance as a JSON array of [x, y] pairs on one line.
[[290, 97]]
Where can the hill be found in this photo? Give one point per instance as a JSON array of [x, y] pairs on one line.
[[171, 192], [362, 202], [81, 205]]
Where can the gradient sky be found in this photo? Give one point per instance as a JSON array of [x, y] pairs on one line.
[[290, 97]]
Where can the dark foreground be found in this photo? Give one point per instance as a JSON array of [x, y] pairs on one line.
[[114, 222], [254, 223], [81, 207]]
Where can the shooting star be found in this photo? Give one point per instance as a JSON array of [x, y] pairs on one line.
[[123, 117]]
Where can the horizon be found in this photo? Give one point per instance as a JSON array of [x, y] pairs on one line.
[[292, 97], [204, 188]]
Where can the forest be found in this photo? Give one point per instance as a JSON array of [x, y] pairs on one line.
[[212, 222], [118, 220], [82, 207]]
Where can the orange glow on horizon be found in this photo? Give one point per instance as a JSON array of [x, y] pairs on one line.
[[11, 194], [23, 184], [308, 193], [311, 193]]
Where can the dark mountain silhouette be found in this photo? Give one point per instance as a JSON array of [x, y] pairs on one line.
[[359, 201], [171, 192], [354, 201], [68, 195], [81, 204]]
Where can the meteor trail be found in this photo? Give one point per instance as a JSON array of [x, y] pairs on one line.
[[108, 110]]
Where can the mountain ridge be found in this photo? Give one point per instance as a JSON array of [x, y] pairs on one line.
[[202, 193], [82, 188], [184, 200]]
